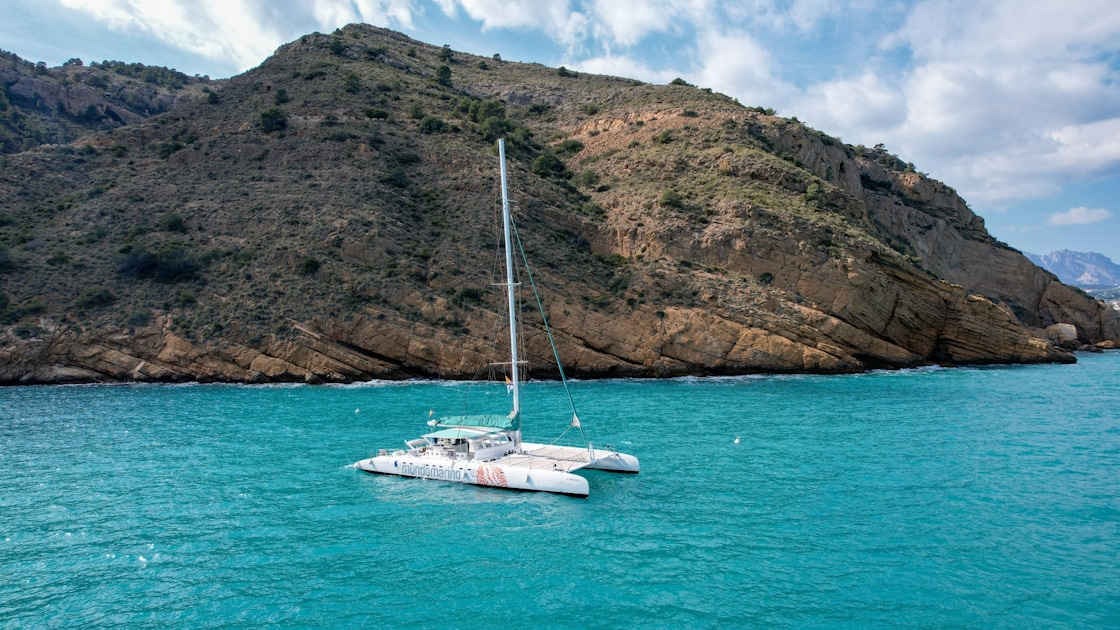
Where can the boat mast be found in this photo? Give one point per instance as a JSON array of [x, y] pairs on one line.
[[514, 365]]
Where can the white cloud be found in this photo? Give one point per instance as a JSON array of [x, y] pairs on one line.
[[1009, 30], [1078, 216], [783, 15], [244, 31], [607, 23], [735, 64], [554, 17], [1004, 100], [624, 66], [852, 106], [627, 22]]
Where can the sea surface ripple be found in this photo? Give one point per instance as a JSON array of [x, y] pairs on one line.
[[955, 498]]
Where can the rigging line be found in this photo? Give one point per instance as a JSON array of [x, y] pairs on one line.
[[561, 436], [470, 384], [466, 397], [521, 333], [547, 330]]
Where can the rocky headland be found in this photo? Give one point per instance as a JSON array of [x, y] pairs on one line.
[[330, 216]]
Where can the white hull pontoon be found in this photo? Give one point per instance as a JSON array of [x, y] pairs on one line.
[[535, 468], [487, 450]]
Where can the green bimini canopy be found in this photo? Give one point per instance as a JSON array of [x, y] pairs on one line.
[[466, 433], [494, 421]]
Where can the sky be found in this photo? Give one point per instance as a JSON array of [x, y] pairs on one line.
[[1014, 103]]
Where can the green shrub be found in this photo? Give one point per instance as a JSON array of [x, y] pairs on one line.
[[138, 318], [213, 98], [494, 127], [377, 114], [469, 295], [590, 108], [281, 97], [34, 307], [27, 332], [340, 136], [137, 263], [569, 147], [593, 209], [587, 179], [766, 278], [680, 81], [186, 298], [175, 264], [94, 298], [446, 54], [443, 75], [432, 124], [547, 165], [172, 264], [491, 108], [172, 222], [564, 72], [59, 257], [351, 83], [416, 110], [396, 177], [166, 149], [482, 65], [665, 137], [671, 199], [273, 119], [309, 266], [7, 263]]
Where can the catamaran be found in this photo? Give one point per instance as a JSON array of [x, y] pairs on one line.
[[486, 450]]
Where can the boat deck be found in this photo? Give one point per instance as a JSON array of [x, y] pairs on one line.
[[561, 458]]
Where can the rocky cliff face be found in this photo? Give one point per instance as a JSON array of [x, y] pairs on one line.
[[671, 231], [40, 105]]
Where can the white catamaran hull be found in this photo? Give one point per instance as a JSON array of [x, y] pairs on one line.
[[477, 473]]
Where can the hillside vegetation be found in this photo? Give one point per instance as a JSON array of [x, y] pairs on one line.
[[332, 215], [41, 105]]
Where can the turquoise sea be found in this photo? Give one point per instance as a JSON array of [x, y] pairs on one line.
[[940, 498]]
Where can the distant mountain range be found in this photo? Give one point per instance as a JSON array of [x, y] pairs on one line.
[[1088, 270]]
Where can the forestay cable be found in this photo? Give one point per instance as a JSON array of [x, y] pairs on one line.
[[548, 331]]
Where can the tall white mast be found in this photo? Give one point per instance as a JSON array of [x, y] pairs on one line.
[[514, 365]]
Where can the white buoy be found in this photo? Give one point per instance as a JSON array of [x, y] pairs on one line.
[[357, 410], [736, 439]]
